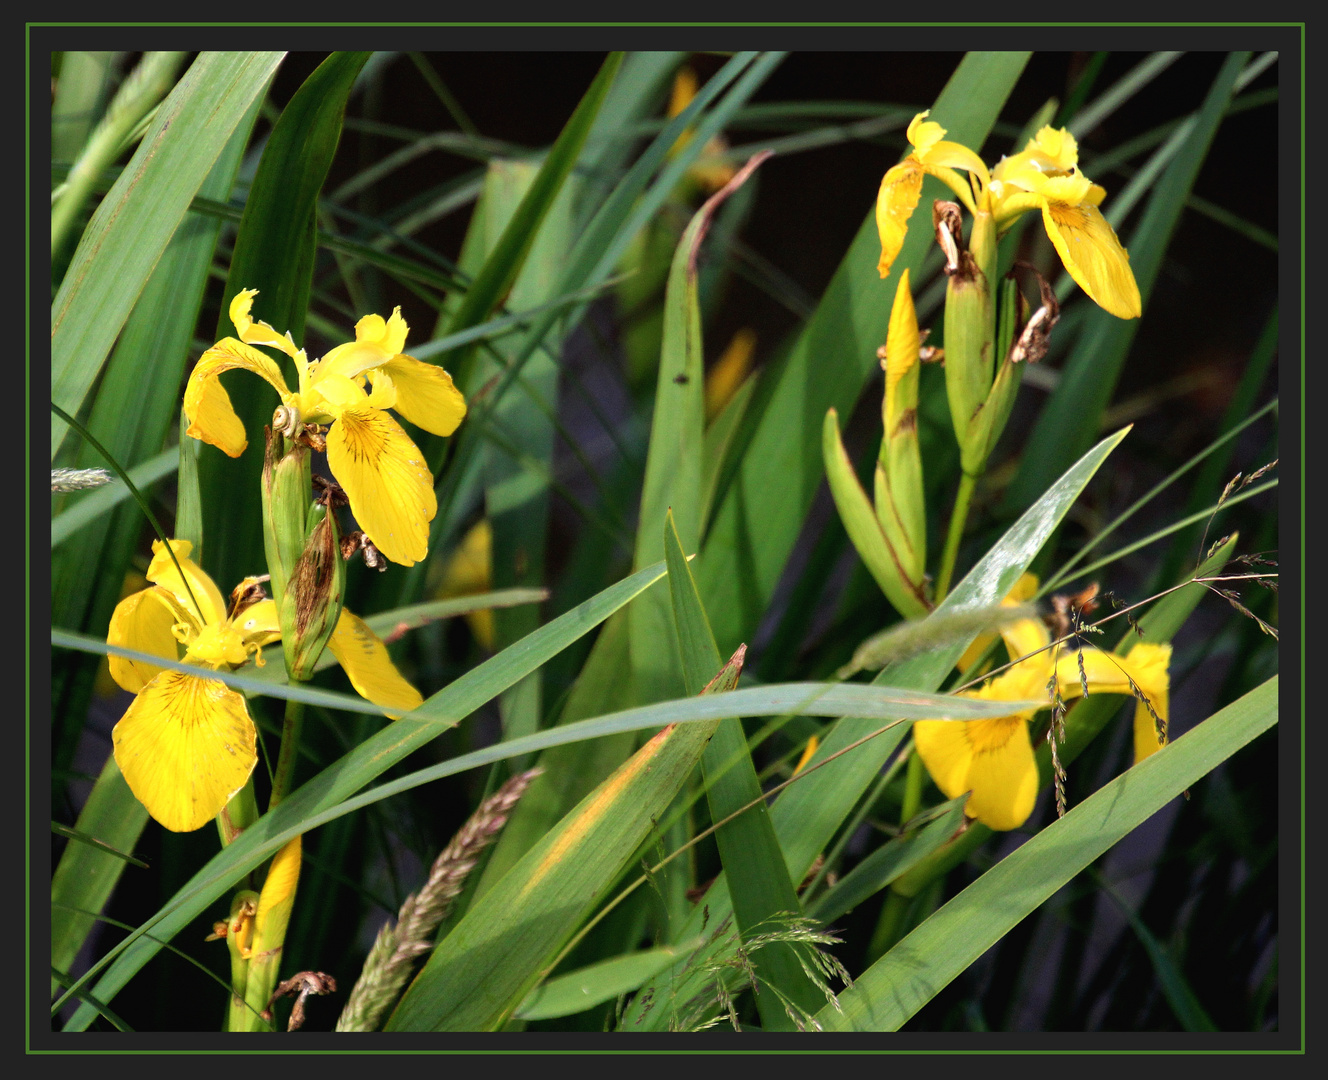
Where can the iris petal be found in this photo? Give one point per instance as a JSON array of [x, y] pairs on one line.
[[386, 480], [426, 395], [363, 656], [1094, 257], [185, 746], [206, 403]]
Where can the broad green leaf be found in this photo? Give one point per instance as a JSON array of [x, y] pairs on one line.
[[274, 253], [759, 518], [517, 470], [480, 972], [748, 848], [928, 959], [672, 482], [368, 760], [807, 813], [137, 218], [137, 95], [597, 983]]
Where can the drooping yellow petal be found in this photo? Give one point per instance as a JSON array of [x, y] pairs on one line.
[[254, 332], [206, 403], [426, 395], [258, 624], [185, 746], [946, 752], [161, 571], [1094, 257], [142, 621], [901, 187], [386, 480], [469, 569], [364, 657], [1149, 666]]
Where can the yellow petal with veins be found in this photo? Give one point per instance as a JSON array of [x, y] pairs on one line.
[[991, 758], [386, 480], [1004, 774], [185, 746], [1094, 257], [364, 657], [426, 395]]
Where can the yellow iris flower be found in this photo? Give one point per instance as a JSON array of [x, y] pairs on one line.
[[373, 459], [1044, 177], [186, 744], [994, 759]]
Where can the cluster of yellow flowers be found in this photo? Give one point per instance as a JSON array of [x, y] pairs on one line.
[[1043, 177], [993, 759], [187, 745]]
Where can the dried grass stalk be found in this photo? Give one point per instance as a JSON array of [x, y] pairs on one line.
[[391, 960]]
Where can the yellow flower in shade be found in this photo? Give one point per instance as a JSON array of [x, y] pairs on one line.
[[186, 744], [994, 759], [1044, 177], [710, 171], [470, 570], [729, 372], [377, 464]]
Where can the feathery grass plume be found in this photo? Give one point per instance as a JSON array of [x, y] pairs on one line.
[[78, 479], [391, 960], [732, 971]]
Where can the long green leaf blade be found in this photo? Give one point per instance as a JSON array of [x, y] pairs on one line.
[[748, 848], [133, 224]]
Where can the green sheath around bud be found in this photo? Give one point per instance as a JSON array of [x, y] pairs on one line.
[[900, 501], [863, 527], [309, 611], [286, 499]]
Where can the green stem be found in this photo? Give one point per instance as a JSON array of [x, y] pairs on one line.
[[967, 484], [912, 786], [290, 744]]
